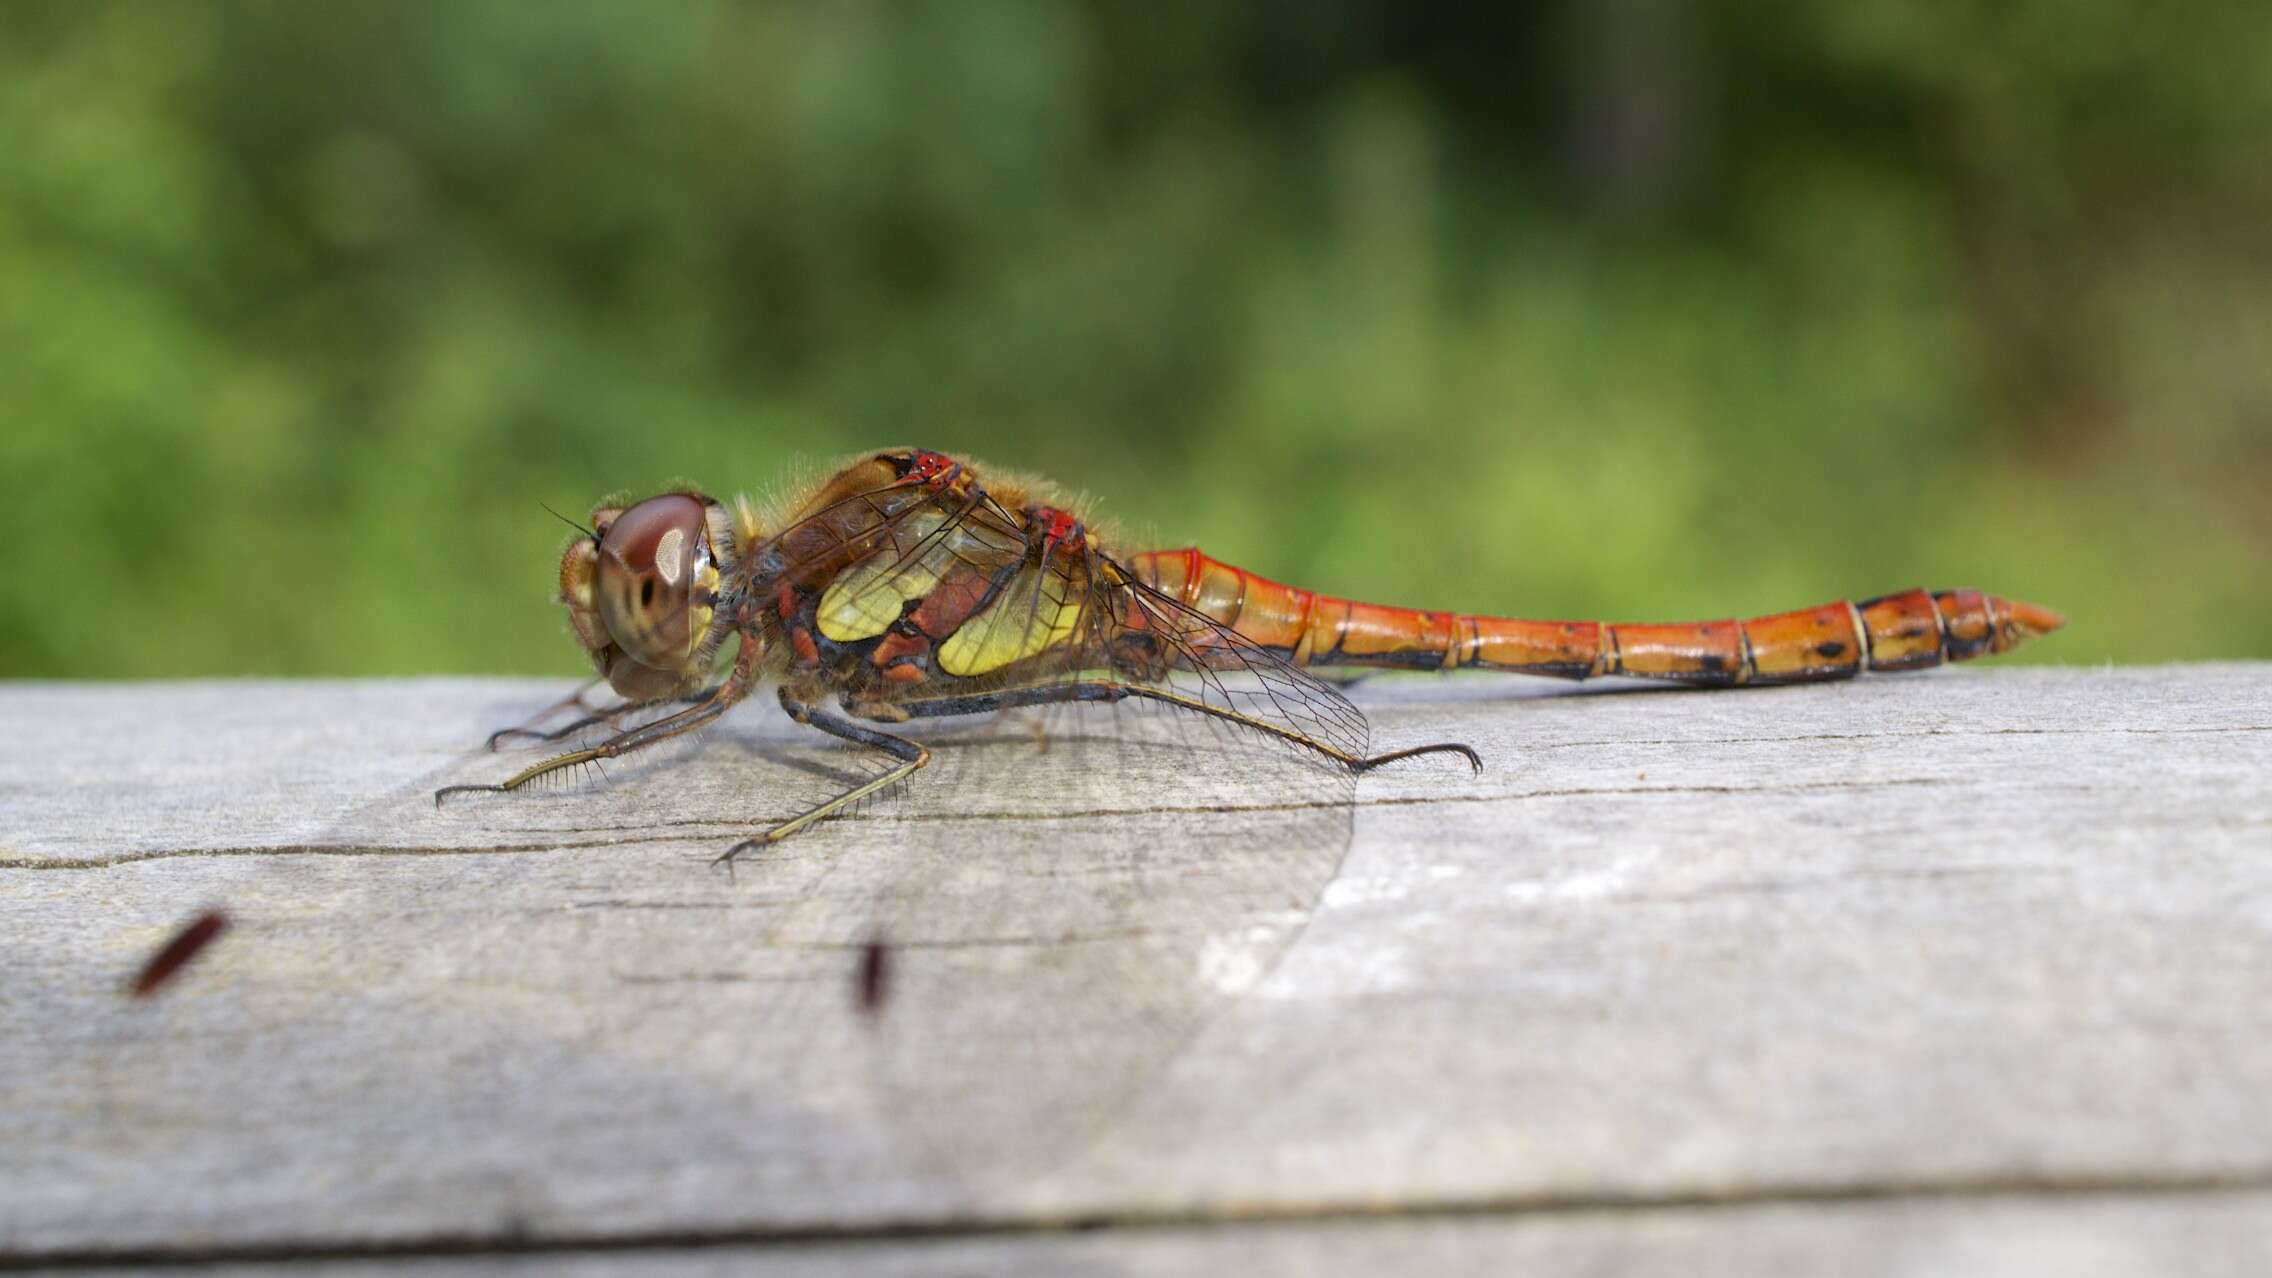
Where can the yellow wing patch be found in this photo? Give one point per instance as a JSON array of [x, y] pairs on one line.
[[868, 597], [1036, 611]]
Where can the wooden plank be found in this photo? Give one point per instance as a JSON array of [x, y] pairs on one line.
[[1974, 932]]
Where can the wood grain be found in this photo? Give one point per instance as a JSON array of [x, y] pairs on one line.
[[1978, 958]]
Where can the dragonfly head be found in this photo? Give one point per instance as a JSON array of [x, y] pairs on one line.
[[642, 591]]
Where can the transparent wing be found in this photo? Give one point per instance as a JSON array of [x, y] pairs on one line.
[[888, 537], [1193, 656], [949, 544], [876, 555], [1078, 895]]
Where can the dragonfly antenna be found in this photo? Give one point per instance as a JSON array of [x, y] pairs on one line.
[[570, 522]]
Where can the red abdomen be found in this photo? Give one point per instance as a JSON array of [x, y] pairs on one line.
[[1906, 631]]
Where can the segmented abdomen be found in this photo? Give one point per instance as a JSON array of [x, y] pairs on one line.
[[1907, 631]]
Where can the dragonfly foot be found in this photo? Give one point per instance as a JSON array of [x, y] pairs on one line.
[[1474, 760], [447, 790], [727, 857]]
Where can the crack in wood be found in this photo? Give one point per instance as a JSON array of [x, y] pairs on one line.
[[635, 833], [518, 1240]]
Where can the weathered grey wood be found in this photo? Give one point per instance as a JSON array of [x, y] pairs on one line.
[[1977, 959]]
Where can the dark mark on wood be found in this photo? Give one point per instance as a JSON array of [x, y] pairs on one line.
[[176, 953], [874, 977]]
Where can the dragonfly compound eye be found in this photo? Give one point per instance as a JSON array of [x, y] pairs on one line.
[[653, 579]]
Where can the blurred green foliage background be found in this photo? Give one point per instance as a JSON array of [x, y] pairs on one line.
[[1637, 308]]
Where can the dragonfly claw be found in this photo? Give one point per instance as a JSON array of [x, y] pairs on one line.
[[465, 789], [1474, 760], [727, 857]]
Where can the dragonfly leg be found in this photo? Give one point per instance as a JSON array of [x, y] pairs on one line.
[[529, 728], [1354, 762], [620, 744], [571, 728], [1474, 760], [942, 707], [911, 757], [1120, 691]]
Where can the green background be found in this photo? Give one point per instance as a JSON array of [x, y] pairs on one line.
[[1636, 309]]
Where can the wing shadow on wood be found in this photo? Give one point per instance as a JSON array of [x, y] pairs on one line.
[[1068, 900]]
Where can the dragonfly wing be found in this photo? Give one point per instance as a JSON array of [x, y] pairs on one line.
[[1038, 608], [941, 546], [883, 529], [1080, 892], [947, 560], [968, 575], [1159, 642]]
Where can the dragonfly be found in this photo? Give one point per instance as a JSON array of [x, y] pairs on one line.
[[912, 585], [1000, 1003]]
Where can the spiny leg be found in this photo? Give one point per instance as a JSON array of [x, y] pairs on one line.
[[621, 743], [1354, 762], [911, 757], [1474, 760], [529, 728], [1050, 694], [609, 715], [1014, 699], [1109, 692]]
